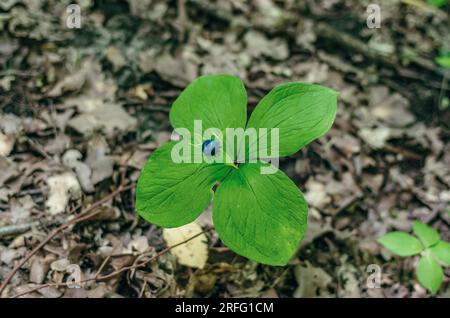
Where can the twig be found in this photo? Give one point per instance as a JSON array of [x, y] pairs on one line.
[[143, 263], [16, 229], [182, 19], [141, 293], [405, 153], [117, 272], [100, 269], [434, 213], [443, 87], [36, 146], [81, 217]]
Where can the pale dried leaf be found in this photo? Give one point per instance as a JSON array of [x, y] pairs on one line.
[[193, 253], [63, 187]]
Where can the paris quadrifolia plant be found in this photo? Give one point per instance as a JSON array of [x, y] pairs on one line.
[[434, 253], [258, 211]]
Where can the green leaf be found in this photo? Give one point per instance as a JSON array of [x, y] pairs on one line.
[[438, 3], [442, 252], [220, 101], [302, 112], [173, 194], [429, 273], [262, 217], [426, 234], [443, 61], [401, 243]]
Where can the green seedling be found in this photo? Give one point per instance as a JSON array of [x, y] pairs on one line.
[[444, 60], [437, 3], [260, 216], [434, 252]]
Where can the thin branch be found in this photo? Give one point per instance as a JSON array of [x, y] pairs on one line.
[[16, 228]]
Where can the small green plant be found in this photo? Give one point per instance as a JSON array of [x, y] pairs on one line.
[[438, 3], [260, 216], [434, 253], [444, 60]]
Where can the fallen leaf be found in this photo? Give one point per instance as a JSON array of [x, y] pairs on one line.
[[258, 44], [63, 187], [139, 244], [97, 158], [6, 144], [391, 109], [316, 194], [60, 265], [193, 253], [107, 117], [115, 57], [348, 281], [21, 209], [38, 270], [312, 281], [376, 138], [72, 159], [72, 82]]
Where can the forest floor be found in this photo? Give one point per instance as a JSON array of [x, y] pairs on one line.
[[83, 109]]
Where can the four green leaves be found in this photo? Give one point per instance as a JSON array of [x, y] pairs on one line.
[[260, 216], [434, 252]]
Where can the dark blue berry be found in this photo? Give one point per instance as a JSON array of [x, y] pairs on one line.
[[210, 147]]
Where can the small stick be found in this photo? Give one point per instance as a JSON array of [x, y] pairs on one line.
[[16, 229]]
